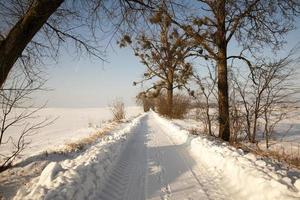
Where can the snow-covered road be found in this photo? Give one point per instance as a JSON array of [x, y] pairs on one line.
[[153, 167], [151, 158]]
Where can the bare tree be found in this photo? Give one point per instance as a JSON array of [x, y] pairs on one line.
[[278, 99], [207, 91], [18, 114], [164, 51], [31, 30], [253, 24], [266, 96]]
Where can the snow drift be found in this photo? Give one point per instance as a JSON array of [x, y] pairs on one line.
[[82, 177], [245, 176], [70, 124]]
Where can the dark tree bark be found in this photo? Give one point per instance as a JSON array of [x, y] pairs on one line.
[[208, 118], [224, 130], [22, 33], [170, 88], [22, 20], [170, 98], [253, 24]]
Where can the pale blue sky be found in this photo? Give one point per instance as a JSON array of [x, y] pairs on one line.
[[93, 83]]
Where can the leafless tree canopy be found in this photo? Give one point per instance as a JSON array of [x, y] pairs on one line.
[[164, 50], [253, 24], [264, 95], [205, 96], [32, 31], [18, 114]]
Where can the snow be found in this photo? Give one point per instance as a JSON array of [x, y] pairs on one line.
[[70, 125], [151, 158], [246, 176], [49, 173], [289, 131], [285, 139], [79, 178]]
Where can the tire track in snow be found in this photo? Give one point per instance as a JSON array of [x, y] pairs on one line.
[[127, 179], [153, 167], [209, 180], [181, 177]]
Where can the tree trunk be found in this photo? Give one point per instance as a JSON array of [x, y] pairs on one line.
[[208, 117], [22, 33], [266, 131], [256, 115], [248, 125], [224, 129], [170, 80], [170, 99], [253, 138]]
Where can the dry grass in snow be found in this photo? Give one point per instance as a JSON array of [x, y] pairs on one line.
[[12, 179]]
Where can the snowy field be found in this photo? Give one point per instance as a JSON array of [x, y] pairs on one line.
[[151, 158], [239, 170], [70, 125], [147, 157], [285, 139]]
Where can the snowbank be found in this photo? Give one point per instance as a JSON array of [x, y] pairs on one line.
[[244, 174], [70, 124], [81, 177], [179, 136]]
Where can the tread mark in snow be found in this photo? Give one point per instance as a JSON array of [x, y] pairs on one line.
[[128, 173], [152, 167]]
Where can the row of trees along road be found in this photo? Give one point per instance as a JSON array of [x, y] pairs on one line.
[[211, 26], [33, 31]]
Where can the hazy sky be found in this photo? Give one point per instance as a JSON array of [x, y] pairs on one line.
[[93, 83]]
